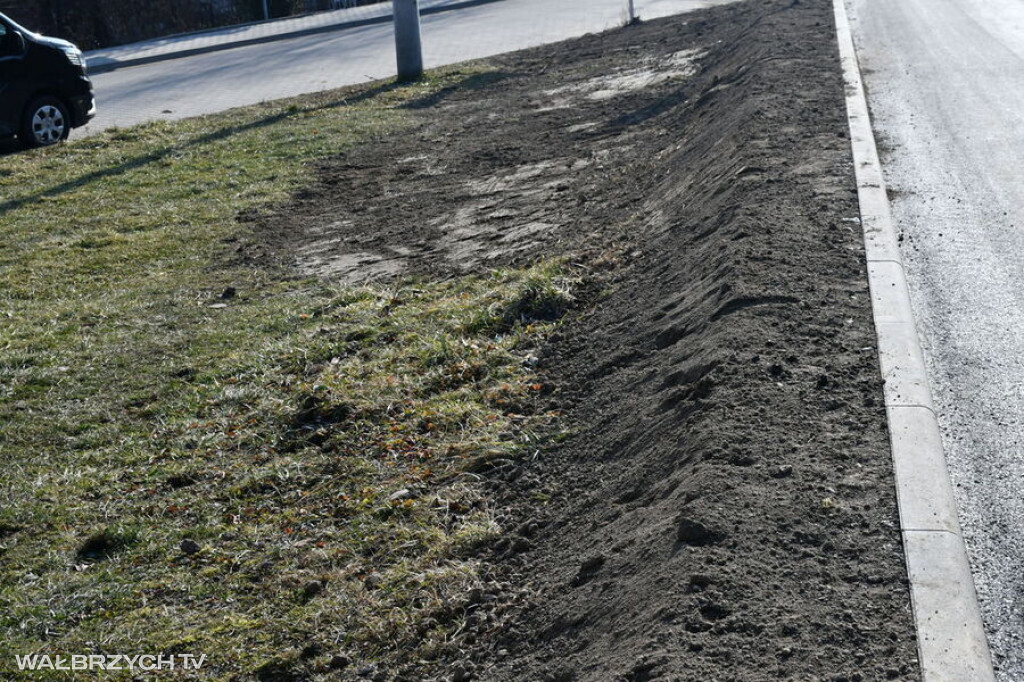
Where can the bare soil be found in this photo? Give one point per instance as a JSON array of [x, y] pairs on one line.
[[725, 509]]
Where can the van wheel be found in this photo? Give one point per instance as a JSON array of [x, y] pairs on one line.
[[45, 122]]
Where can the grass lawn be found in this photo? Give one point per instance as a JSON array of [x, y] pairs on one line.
[[207, 458]]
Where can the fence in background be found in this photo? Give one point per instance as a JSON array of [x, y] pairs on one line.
[[104, 23]]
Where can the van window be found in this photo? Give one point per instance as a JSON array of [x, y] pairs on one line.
[[8, 45], [11, 43]]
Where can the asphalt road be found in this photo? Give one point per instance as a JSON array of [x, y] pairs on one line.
[[220, 80], [945, 84]]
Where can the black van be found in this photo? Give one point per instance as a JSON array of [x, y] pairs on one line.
[[44, 91]]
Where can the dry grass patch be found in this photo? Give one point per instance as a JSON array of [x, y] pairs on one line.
[[203, 457]]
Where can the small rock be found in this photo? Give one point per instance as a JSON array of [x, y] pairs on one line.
[[402, 494], [485, 461], [713, 610], [339, 661], [462, 673], [642, 669], [698, 582], [312, 589], [588, 569], [189, 547], [521, 544], [695, 533], [783, 471], [230, 292], [528, 528]]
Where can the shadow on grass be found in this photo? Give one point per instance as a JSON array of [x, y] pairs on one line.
[[475, 82], [478, 81], [213, 136], [10, 146]]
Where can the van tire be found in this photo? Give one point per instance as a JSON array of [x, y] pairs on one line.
[[45, 122]]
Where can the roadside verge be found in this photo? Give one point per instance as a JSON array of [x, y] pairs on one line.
[[722, 505], [951, 638], [341, 443]]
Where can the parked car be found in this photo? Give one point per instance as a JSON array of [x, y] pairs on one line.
[[44, 89]]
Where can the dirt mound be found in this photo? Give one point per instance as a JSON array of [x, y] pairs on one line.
[[725, 509]]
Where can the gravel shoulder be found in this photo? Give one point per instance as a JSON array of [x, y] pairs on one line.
[[724, 508]]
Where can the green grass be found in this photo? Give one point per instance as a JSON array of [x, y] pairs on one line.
[[320, 445]]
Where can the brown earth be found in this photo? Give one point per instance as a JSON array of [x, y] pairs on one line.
[[725, 509]]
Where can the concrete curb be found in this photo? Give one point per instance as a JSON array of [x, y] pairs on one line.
[[951, 640], [108, 65]]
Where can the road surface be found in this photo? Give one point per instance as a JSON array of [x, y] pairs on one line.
[[945, 84], [220, 80]]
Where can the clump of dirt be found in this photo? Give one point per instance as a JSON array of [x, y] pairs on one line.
[[725, 509]]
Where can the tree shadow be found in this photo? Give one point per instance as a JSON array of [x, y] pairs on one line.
[[475, 82]]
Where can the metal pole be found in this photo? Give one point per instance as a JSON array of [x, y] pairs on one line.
[[266, 10], [407, 39], [632, 11]]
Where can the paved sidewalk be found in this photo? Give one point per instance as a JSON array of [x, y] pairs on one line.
[[186, 44]]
